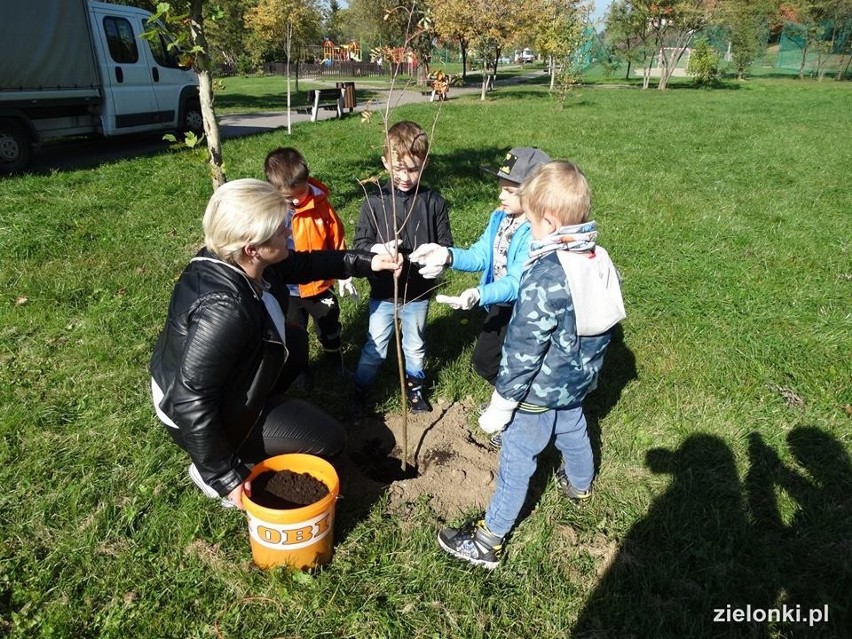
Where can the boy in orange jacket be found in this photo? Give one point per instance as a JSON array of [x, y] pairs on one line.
[[314, 226]]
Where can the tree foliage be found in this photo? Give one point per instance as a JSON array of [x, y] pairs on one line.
[[267, 23], [748, 24], [703, 64], [558, 30], [452, 21], [662, 30]]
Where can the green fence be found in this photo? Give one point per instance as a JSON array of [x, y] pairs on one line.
[[817, 50]]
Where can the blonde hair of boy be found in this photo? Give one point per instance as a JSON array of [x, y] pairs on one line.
[[560, 189], [406, 139], [240, 213]]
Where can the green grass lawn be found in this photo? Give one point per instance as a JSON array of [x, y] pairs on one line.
[[721, 426]]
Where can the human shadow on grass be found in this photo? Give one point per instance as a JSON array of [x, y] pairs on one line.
[[711, 559]]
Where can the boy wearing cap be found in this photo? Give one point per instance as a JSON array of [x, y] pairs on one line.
[[500, 253], [568, 302]]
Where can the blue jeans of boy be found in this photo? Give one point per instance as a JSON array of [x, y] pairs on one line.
[[412, 317], [524, 439]]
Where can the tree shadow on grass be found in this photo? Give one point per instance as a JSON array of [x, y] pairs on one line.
[[709, 553]]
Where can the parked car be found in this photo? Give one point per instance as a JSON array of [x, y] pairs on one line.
[[524, 56]]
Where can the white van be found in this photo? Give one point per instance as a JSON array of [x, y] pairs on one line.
[[72, 68]]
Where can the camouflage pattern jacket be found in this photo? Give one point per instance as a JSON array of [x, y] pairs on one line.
[[545, 364]]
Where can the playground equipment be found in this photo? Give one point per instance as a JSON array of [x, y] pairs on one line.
[[341, 53]]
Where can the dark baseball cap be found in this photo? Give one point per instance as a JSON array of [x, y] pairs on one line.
[[519, 164]]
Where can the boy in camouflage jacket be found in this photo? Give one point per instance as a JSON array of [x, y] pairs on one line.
[[569, 299]]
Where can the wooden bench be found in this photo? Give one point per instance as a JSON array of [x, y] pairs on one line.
[[331, 99]]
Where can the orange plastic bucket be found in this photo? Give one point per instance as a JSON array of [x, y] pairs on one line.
[[297, 537]]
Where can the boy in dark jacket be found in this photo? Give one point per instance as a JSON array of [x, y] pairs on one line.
[[398, 217], [568, 301]]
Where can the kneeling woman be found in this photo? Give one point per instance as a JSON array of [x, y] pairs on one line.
[[225, 354]]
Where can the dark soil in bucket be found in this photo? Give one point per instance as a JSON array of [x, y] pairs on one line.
[[285, 490], [379, 465]]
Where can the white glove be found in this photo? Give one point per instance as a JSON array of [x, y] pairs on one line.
[[430, 255], [346, 287], [466, 301], [498, 414], [387, 247], [431, 272]]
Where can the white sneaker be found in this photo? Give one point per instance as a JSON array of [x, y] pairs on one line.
[[208, 490]]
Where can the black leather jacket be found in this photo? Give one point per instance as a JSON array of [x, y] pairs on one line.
[[219, 354]]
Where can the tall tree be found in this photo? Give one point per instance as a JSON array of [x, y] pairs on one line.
[[674, 24], [332, 25], [379, 23], [629, 36], [487, 26], [748, 23], [665, 27], [843, 26], [268, 24], [557, 29], [452, 22]]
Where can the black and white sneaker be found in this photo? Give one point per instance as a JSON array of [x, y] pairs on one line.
[[474, 543], [207, 489], [417, 402], [496, 440], [574, 495]]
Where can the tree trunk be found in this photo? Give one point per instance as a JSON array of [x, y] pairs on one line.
[[842, 69], [670, 64], [629, 63], [463, 47], [552, 72], [646, 74], [289, 42], [205, 94], [804, 60]]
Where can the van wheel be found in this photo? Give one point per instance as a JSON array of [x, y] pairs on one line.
[[15, 147], [192, 118]]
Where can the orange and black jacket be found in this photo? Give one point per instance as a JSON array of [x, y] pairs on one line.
[[316, 227]]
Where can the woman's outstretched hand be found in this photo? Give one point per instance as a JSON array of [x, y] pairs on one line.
[[386, 262]]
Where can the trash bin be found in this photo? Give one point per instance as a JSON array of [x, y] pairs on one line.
[[349, 101]]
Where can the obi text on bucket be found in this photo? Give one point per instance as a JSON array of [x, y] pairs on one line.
[[290, 536]]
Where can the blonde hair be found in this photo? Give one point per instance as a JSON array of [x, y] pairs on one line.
[[559, 188], [240, 213], [406, 139]]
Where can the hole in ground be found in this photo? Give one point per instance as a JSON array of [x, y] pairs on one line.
[[378, 464]]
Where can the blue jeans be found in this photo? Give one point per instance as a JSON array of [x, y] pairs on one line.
[[412, 318], [524, 439]]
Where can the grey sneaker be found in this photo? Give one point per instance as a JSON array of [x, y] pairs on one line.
[[496, 440], [208, 490], [474, 543], [574, 495]]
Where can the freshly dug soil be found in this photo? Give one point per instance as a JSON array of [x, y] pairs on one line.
[[284, 489]]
